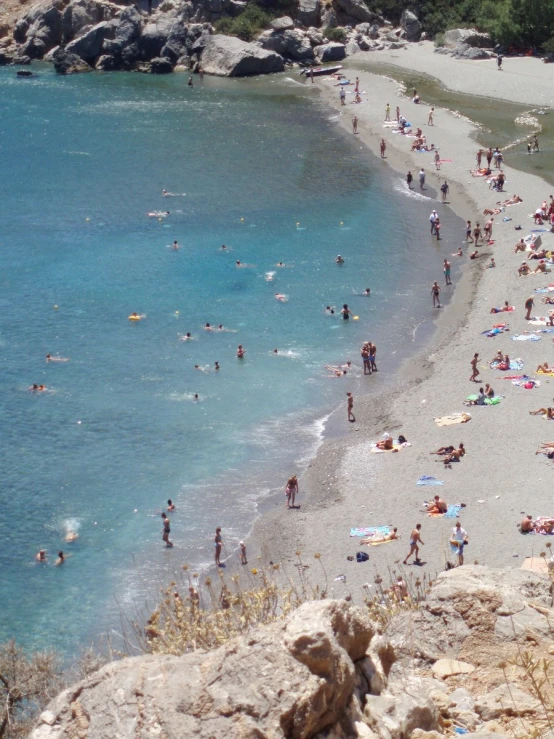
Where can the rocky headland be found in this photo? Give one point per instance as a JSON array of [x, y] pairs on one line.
[[81, 35], [472, 654]]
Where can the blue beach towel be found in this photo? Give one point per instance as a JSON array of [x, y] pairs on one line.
[[453, 511], [370, 531], [429, 480]]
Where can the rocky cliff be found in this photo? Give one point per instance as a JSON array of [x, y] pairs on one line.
[[80, 35], [470, 658]]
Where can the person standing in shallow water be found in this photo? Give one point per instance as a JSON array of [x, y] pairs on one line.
[[409, 179], [218, 541], [291, 491], [355, 124], [435, 292], [166, 531], [446, 270]]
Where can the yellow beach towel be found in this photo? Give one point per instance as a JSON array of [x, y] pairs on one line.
[[453, 419]]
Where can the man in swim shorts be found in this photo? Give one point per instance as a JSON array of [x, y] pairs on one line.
[[415, 541]]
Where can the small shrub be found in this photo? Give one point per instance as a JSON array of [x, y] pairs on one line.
[[335, 34], [439, 40], [248, 25], [548, 46]]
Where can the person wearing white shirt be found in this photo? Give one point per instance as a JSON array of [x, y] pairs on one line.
[[458, 539]]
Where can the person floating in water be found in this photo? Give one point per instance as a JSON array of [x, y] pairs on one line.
[[339, 259], [50, 358]]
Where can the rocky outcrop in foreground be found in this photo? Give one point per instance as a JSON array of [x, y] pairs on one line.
[[329, 672], [107, 36]]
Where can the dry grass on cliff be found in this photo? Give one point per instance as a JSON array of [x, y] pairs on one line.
[[204, 614]]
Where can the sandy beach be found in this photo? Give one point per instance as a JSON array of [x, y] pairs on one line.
[[500, 478]]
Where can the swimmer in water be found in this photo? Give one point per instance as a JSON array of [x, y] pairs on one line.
[[170, 505], [240, 352], [281, 297], [37, 388], [366, 292], [71, 536], [241, 265], [200, 368], [186, 337], [269, 276], [216, 366], [339, 260], [136, 317], [61, 559], [50, 358], [208, 327], [275, 351], [41, 555], [175, 246], [330, 310], [196, 397], [458, 253], [224, 247]]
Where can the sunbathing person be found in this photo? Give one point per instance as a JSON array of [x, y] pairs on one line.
[[511, 201], [498, 357], [492, 211], [455, 456], [548, 301], [544, 368], [504, 364], [520, 246], [444, 450], [437, 506], [524, 270], [489, 392], [526, 525], [381, 539], [548, 412], [541, 267], [480, 400], [386, 443], [505, 307]]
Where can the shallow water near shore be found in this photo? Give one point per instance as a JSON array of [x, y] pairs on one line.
[[259, 165], [496, 118]]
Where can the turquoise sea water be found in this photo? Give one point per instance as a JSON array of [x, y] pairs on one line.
[[262, 167]]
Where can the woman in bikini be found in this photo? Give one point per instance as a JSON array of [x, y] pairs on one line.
[[477, 234], [166, 530], [291, 490]]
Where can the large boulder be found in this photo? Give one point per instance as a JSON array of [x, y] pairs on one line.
[[40, 29], [331, 52], [226, 56], [80, 14], [329, 19], [289, 680], [308, 12], [155, 35], [469, 36], [89, 45], [161, 65], [67, 63], [356, 9], [129, 28], [282, 24], [410, 23], [297, 45]]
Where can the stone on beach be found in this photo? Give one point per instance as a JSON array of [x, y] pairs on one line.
[[331, 52], [67, 63], [448, 667], [226, 56]]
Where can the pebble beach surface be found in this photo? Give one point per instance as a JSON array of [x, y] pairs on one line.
[[500, 478]]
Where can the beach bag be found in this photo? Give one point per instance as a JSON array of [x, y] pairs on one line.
[[449, 566], [362, 557]]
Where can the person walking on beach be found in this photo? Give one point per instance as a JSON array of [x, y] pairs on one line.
[[383, 148], [387, 113], [535, 143], [499, 59], [489, 157], [421, 178], [397, 114], [432, 218], [446, 270], [445, 190], [438, 228], [474, 368], [458, 540], [469, 237], [477, 233], [357, 85], [529, 303], [342, 96], [218, 541], [166, 530], [488, 229], [479, 157], [437, 160], [409, 179], [430, 119], [291, 490], [355, 125], [435, 292], [350, 406], [415, 541]]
